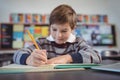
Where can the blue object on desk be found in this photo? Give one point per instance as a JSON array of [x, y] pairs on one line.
[[66, 66]]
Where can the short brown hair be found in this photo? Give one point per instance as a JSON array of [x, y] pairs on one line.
[[63, 14]]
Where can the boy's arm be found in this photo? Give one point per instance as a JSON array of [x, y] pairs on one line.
[[60, 59], [88, 54], [21, 55]]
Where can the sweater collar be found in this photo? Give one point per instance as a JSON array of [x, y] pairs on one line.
[[70, 39]]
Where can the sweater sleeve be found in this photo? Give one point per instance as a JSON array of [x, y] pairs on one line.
[[77, 58], [21, 55], [84, 53], [89, 55]]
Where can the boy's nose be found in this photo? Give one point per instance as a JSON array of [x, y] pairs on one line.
[[59, 34]]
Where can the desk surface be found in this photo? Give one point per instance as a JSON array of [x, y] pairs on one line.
[[64, 75]]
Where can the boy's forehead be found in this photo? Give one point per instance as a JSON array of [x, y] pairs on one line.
[[66, 25]]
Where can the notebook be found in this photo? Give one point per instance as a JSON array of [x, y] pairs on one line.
[[16, 68], [110, 67]]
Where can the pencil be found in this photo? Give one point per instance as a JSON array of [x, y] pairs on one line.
[[32, 38]]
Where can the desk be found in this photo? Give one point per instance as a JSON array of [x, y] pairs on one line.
[[64, 75]]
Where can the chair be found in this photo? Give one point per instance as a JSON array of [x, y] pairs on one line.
[[110, 54]]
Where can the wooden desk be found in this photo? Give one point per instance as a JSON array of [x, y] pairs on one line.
[[64, 75]]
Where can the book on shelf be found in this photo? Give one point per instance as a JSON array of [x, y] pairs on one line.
[[21, 18], [18, 36], [28, 18], [14, 18], [6, 36], [35, 18]]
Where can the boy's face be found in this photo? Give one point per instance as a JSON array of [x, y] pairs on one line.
[[60, 32]]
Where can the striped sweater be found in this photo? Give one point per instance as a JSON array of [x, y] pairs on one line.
[[79, 50]]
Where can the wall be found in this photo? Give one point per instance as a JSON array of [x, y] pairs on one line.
[[109, 7]]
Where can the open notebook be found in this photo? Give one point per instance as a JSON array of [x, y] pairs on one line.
[[111, 67], [15, 68]]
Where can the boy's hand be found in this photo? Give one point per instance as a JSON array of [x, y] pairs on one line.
[[60, 59], [37, 58]]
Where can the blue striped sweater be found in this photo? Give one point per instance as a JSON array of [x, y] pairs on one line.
[[79, 50]]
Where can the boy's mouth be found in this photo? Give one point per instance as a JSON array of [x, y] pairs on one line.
[[60, 39]]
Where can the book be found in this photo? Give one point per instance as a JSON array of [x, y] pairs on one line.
[[45, 31], [15, 44], [35, 18], [18, 34], [14, 18], [16, 68], [28, 18], [37, 31], [6, 32], [21, 18]]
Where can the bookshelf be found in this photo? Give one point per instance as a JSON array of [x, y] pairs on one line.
[[13, 34], [94, 29]]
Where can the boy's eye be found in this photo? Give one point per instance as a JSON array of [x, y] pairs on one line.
[[63, 31]]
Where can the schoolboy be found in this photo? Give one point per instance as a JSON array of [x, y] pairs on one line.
[[61, 46]]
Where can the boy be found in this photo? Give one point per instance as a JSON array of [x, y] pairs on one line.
[[61, 46]]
